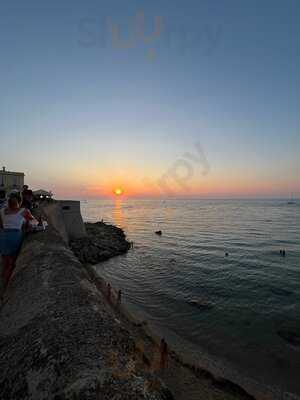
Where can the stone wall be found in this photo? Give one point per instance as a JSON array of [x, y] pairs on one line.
[[65, 217], [58, 337]]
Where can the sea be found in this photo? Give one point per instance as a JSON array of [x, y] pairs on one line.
[[214, 283]]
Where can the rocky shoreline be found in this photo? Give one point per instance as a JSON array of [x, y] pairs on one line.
[[102, 242]]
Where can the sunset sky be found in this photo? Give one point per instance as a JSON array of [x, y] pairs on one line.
[[98, 95]]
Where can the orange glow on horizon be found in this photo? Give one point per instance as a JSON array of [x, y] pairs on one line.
[[131, 183]]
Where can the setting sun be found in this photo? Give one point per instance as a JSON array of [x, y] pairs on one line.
[[118, 191]]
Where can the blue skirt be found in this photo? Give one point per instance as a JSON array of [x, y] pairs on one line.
[[10, 241]]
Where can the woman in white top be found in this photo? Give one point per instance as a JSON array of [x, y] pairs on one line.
[[12, 220]]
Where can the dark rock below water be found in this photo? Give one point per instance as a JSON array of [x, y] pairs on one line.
[[102, 242], [202, 304], [290, 337]]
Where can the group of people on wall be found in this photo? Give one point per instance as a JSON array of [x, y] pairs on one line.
[[15, 214]]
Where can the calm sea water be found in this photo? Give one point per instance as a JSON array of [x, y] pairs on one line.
[[254, 291]]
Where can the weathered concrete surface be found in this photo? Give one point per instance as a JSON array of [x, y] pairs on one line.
[[72, 218], [53, 214], [58, 338], [65, 218]]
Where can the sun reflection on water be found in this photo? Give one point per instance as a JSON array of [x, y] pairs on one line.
[[118, 213]]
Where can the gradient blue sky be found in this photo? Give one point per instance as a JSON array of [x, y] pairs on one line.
[[80, 115]]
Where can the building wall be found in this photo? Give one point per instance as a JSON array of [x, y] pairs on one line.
[[11, 180]]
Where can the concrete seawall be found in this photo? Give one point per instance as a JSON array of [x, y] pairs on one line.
[[66, 219], [58, 338]]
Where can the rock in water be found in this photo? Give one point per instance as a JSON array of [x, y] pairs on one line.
[[102, 242], [202, 304]]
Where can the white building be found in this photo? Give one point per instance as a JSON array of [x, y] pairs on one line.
[[11, 180]]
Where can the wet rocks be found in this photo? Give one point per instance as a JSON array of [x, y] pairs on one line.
[[102, 242]]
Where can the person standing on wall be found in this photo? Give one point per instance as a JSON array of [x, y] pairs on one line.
[[12, 220], [27, 196]]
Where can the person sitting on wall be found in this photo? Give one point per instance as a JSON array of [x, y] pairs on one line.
[[27, 195], [12, 219]]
